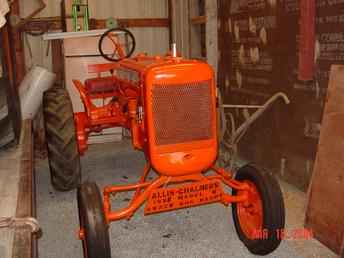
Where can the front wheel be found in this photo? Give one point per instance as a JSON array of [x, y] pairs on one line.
[[259, 220], [93, 227]]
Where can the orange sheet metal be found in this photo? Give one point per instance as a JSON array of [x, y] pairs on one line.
[[189, 195]]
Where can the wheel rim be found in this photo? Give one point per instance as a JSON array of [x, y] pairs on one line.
[[250, 212]]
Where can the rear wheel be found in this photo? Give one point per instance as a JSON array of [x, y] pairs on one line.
[[93, 227], [64, 159], [259, 221]]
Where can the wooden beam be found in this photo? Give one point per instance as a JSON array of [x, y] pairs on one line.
[[24, 242], [39, 24], [11, 89], [17, 42], [57, 60], [7, 53], [211, 33], [22, 22], [170, 18], [198, 20], [195, 31], [156, 22]]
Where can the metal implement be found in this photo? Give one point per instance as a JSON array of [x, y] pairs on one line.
[[236, 133]]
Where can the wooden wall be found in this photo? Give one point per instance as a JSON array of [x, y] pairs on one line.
[[150, 40], [258, 56]]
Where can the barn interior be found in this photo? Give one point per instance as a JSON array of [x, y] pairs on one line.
[[220, 119]]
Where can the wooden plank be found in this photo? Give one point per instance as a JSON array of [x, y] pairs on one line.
[[211, 33], [326, 204], [17, 42], [180, 28], [57, 60], [22, 22], [7, 53], [195, 29], [25, 243], [198, 20], [170, 18], [11, 91]]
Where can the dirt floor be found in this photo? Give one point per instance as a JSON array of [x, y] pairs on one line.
[[206, 231]]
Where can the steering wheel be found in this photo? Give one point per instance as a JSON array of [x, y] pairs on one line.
[[121, 41]]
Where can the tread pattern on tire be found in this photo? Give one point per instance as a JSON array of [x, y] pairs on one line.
[[64, 159], [96, 230], [273, 210]]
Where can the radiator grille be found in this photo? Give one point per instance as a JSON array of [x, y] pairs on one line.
[[182, 113]]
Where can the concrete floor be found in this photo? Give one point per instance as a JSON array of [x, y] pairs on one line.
[[206, 231]]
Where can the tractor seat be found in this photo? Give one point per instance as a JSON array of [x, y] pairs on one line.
[[100, 85]]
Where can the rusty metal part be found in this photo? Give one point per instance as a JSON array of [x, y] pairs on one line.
[[22, 22], [237, 133], [11, 222]]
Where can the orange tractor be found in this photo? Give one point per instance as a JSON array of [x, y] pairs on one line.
[[169, 104]]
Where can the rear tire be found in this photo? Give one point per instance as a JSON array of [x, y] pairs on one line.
[[266, 209], [63, 154], [96, 243]]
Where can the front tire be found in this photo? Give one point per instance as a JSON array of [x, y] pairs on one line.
[[95, 239], [63, 154], [259, 221]]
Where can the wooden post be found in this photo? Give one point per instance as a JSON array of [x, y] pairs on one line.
[[195, 31], [57, 60], [17, 42], [11, 91], [180, 26], [211, 33], [24, 242], [307, 40], [170, 18]]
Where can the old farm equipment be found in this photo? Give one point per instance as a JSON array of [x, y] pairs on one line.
[[169, 105]]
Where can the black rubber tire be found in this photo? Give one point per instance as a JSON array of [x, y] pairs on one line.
[[113, 30], [273, 210], [63, 154], [96, 243]]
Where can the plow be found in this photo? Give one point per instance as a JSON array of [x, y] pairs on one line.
[[169, 105]]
